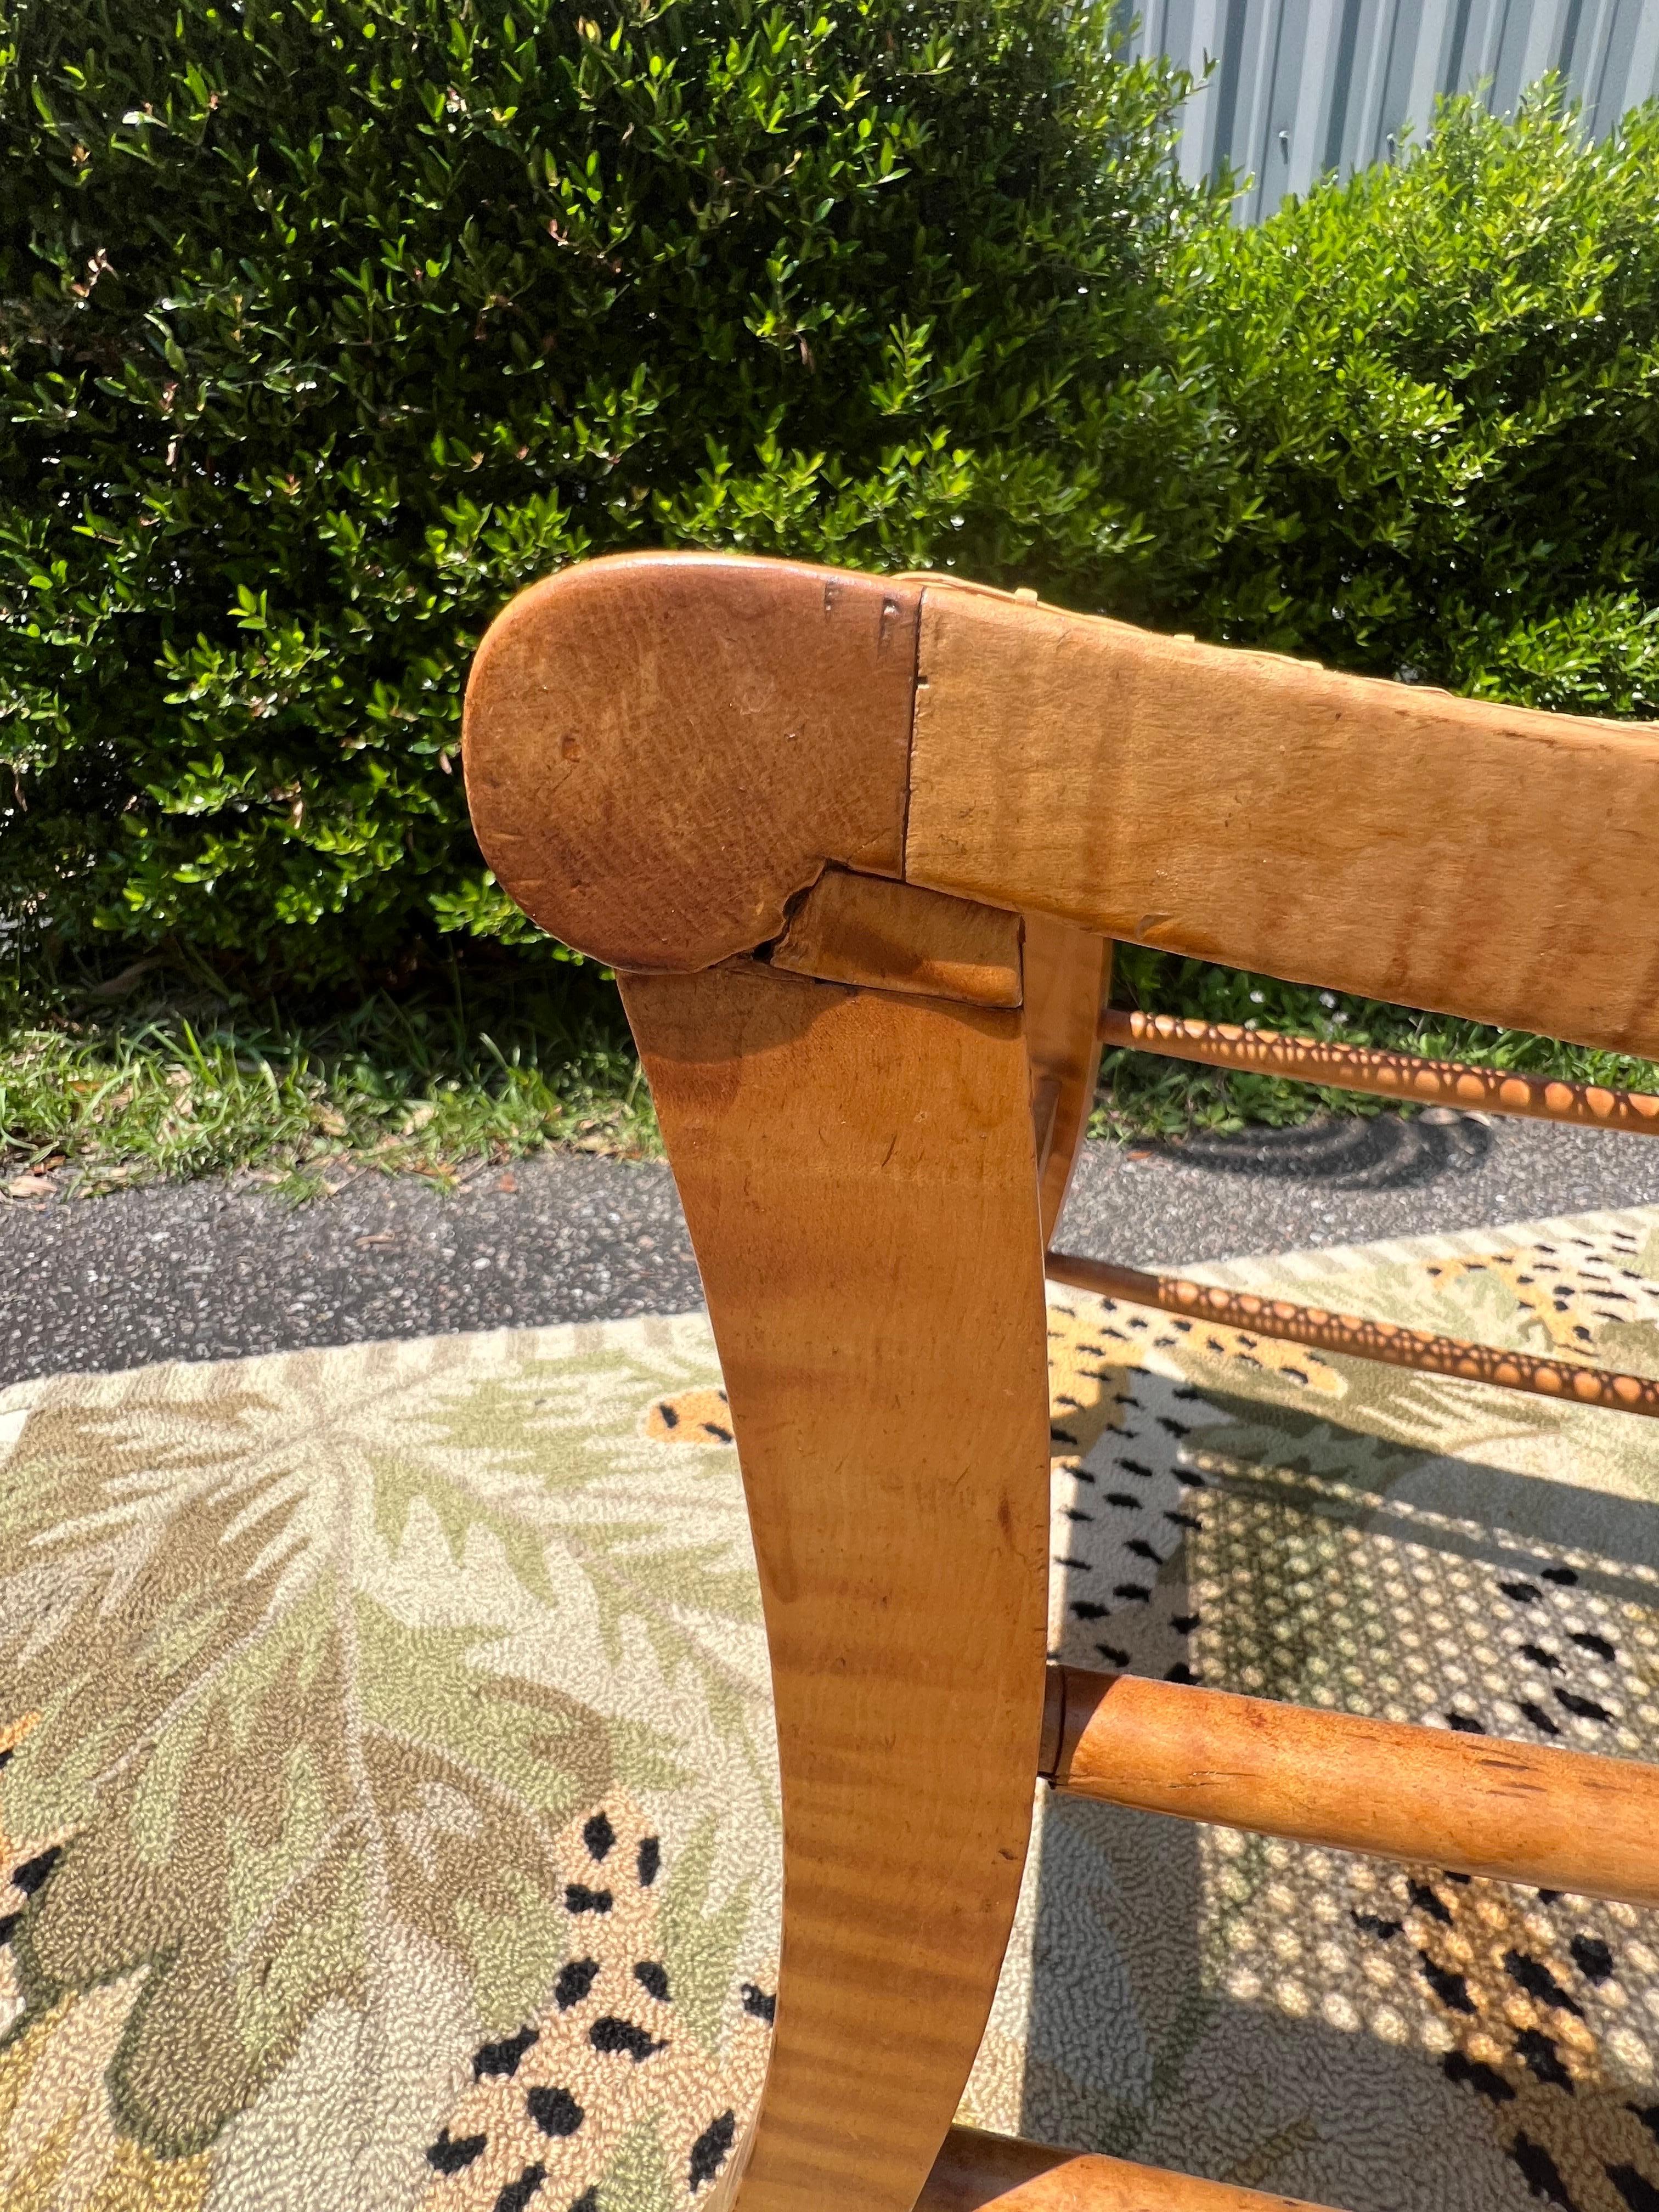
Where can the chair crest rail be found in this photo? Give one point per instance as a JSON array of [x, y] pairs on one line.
[[663, 749]]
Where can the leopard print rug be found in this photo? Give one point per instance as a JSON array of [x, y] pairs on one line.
[[387, 1797]]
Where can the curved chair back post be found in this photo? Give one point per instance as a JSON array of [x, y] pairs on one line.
[[873, 1269]]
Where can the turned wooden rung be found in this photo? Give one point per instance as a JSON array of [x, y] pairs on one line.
[[1382, 1074], [1478, 1804], [1388, 1076], [1385, 1341], [978, 2172]]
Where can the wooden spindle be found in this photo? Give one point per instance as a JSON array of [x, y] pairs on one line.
[[980, 2172], [1358, 1338], [1479, 1804], [1382, 1074]]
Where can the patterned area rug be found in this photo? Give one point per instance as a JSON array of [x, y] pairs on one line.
[[388, 1814]]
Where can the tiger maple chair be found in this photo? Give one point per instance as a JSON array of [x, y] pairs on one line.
[[857, 850]]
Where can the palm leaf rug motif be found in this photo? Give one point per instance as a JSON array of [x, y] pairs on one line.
[[387, 1799], [366, 1704]]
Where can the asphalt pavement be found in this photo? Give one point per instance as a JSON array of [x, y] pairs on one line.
[[215, 1269]]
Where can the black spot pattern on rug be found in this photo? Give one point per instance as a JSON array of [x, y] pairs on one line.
[[554, 2111], [1543, 2176], [576, 1979], [503, 2058], [611, 2033], [1638, 2192], [1125, 1564], [516, 2195], [1481, 2078], [711, 2149], [450, 2155], [600, 1837]]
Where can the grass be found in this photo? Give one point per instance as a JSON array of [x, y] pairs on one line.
[[156, 1072], [160, 1071]]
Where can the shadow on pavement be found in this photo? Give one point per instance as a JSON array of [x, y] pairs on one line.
[[1383, 1153]]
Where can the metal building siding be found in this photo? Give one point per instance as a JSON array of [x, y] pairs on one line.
[[1301, 87]]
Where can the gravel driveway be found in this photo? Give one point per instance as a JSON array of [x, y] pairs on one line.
[[211, 1270]]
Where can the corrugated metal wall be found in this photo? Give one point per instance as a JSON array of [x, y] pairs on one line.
[[1301, 87]]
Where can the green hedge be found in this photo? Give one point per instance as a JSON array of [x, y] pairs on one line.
[[327, 325], [1441, 382]]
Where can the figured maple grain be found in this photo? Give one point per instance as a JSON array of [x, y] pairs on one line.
[[980, 2172], [1513, 1812], [858, 1175], [662, 749], [889, 936], [1380, 838], [1068, 973]]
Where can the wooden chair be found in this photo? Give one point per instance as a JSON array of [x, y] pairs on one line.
[[857, 850]]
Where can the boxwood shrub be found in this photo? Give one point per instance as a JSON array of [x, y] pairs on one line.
[[1441, 380], [325, 325]]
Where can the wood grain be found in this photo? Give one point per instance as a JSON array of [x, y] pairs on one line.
[[662, 749], [1579, 1382], [858, 1174], [978, 2172], [1068, 973], [1383, 1075], [889, 936], [1379, 838], [1513, 1812]]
